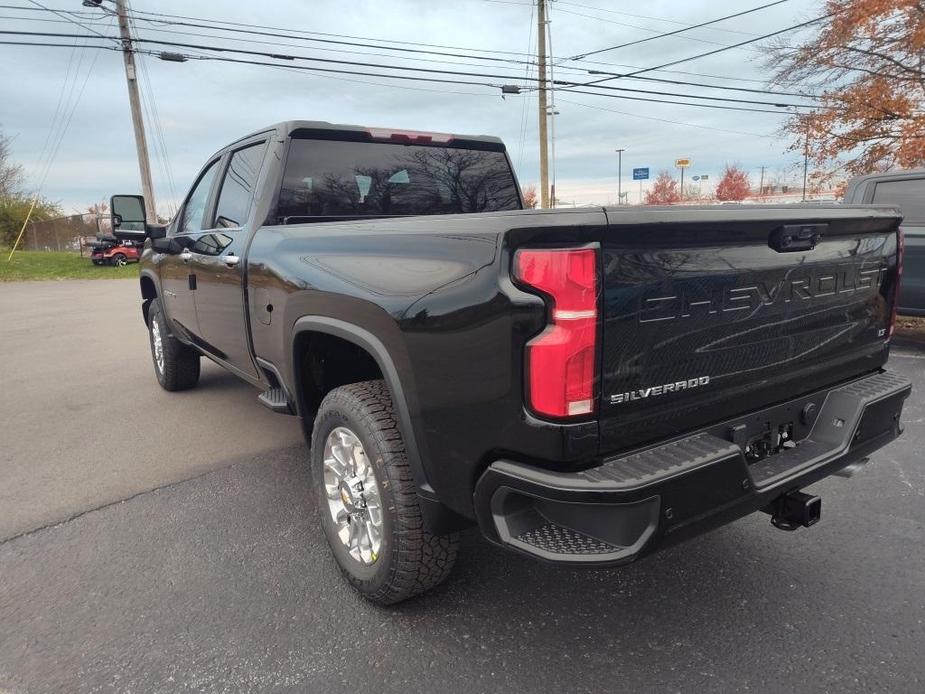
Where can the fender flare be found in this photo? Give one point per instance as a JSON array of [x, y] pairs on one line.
[[146, 301], [374, 346]]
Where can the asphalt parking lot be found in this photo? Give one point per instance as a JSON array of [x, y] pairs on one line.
[[168, 542]]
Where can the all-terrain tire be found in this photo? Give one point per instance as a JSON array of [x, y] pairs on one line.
[[178, 365], [411, 560]]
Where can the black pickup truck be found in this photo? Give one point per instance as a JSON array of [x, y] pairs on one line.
[[587, 385]]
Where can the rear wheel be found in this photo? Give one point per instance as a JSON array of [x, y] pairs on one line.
[[175, 364], [368, 501]]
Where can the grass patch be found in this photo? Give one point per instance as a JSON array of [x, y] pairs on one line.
[[58, 265]]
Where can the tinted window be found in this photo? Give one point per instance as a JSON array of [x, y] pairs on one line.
[[908, 195], [327, 178], [195, 207], [238, 187], [211, 244]]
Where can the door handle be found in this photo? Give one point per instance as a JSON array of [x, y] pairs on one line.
[[231, 260], [186, 256]]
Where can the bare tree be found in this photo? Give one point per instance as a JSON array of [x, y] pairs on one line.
[[11, 176]]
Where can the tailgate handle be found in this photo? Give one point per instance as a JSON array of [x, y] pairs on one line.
[[796, 237]]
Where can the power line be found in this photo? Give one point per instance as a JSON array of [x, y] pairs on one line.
[[665, 120], [63, 15], [494, 85], [708, 86], [574, 70], [659, 33], [200, 35], [407, 68], [526, 101], [374, 46], [713, 52], [688, 28], [450, 72], [642, 16], [275, 33], [64, 113]]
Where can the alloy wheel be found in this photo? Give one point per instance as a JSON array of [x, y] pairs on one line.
[[353, 495]]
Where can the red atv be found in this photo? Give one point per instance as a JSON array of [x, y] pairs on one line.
[[108, 250]]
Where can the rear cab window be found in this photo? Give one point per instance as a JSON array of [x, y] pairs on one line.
[[907, 194], [330, 179]]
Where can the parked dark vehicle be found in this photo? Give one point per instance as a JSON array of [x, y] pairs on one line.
[[586, 385], [905, 190], [108, 250]]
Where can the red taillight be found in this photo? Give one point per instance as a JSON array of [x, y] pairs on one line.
[[900, 251], [561, 361], [410, 136]]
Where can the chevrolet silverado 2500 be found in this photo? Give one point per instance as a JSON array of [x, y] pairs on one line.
[[586, 385]]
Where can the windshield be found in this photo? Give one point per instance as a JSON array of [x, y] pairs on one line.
[[331, 178]]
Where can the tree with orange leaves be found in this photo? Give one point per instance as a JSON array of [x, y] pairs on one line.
[[664, 191], [865, 65], [733, 185]]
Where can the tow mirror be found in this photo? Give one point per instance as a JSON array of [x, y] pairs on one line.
[[165, 244], [128, 217]]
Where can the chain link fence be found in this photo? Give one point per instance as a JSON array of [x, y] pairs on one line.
[[71, 233]]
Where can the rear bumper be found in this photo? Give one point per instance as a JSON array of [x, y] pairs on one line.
[[631, 505]]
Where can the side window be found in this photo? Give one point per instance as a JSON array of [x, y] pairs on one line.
[[908, 195], [234, 201], [195, 207], [211, 244]]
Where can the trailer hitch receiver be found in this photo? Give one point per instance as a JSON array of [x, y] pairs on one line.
[[794, 510]]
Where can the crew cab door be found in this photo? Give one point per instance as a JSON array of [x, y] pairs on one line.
[[218, 260], [178, 280]]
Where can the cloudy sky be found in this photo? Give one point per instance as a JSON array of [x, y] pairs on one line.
[[202, 105]]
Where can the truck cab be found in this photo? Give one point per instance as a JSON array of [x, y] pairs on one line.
[[905, 190]]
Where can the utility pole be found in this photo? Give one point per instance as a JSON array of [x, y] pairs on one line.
[[541, 69], [761, 185], [141, 142], [552, 116], [620, 176], [805, 164]]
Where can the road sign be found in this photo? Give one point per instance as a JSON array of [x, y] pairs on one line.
[[695, 178], [704, 177], [641, 174], [682, 163]]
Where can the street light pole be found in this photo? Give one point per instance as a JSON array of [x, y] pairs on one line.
[[620, 176]]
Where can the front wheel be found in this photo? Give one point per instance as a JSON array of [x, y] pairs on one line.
[[176, 365], [118, 260], [368, 501]]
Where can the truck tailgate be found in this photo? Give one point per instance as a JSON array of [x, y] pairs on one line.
[[715, 312]]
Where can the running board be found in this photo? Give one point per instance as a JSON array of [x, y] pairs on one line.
[[275, 400], [275, 397]]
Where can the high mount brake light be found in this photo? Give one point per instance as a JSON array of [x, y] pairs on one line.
[[410, 136], [561, 362], [900, 252]]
